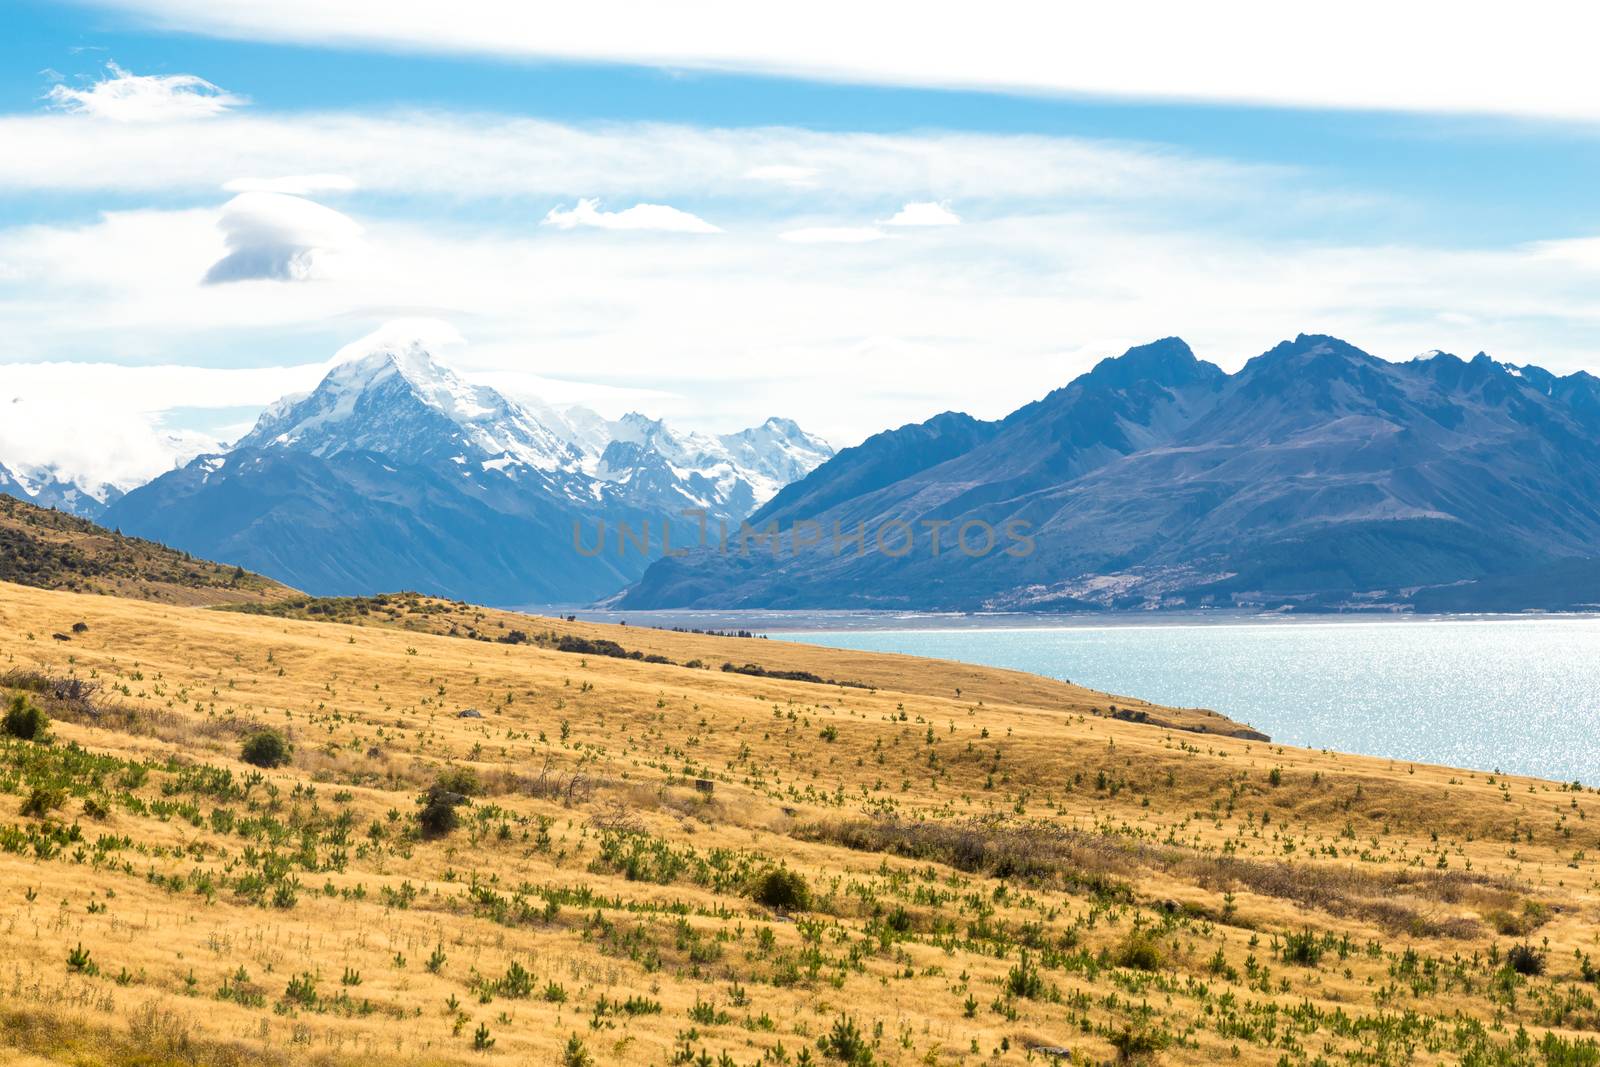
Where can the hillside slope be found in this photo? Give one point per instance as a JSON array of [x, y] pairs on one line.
[[965, 881], [54, 550], [415, 613]]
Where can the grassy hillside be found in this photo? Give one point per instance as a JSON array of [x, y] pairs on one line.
[[54, 550], [497, 852], [750, 655]]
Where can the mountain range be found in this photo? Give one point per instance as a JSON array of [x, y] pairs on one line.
[[1317, 477], [395, 472], [48, 489]]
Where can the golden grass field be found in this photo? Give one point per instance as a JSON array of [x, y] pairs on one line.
[[996, 868]]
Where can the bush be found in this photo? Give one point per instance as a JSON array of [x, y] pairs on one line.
[[1525, 959], [266, 748], [1140, 952], [1137, 1043], [439, 802], [41, 801], [845, 1042], [782, 890], [438, 815], [1023, 980], [575, 1054], [25, 721], [1304, 948], [462, 780]]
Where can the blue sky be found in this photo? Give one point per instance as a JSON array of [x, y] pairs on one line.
[[716, 221], [1450, 179]]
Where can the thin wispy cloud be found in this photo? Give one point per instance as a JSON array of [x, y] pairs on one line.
[[659, 217], [924, 213], [470, 155], [1249, 51], [833, 235], [293, 184], [784, 174], [123, 96], [277, 237]]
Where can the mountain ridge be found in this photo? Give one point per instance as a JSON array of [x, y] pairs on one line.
[[1317, 477]]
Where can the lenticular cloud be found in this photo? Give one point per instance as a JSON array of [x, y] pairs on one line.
[[277, 237]]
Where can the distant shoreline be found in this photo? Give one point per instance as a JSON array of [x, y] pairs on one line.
[[777, 623]]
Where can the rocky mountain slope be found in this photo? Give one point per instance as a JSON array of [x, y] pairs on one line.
[[1317, 477]]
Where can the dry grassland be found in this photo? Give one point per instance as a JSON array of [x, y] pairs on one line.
[[618, 861]]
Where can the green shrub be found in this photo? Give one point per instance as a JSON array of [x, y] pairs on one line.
[[517, 984], [845, 1042], [25, 721], [41, 801], [1304, 948], [266, 748], [1140, 952], [782, 890], [438, 815], [463, 780], [575, 1054], [1525, 959], [80, 961], [1023, 980], [1137, 1043]]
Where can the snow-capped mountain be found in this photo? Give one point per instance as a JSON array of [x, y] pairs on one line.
[[727, 475], [398, 401], [73, 488], [396, 472], [49, 489]]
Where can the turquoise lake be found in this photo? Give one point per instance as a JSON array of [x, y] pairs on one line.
[[1517, 695]]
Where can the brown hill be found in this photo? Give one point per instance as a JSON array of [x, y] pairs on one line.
[[51, 549]]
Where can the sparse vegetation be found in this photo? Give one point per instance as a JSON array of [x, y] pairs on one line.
[[619, 860], [52, 549]]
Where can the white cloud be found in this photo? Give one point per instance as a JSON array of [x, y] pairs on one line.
[[718, 328], [103, 424], [1084, 248], [660, 217], [833, 235], [277, 237], [293, 184], [924, 213], [129, 97], [435, 335], [1376, 54], [477, 156], [784, 174]]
